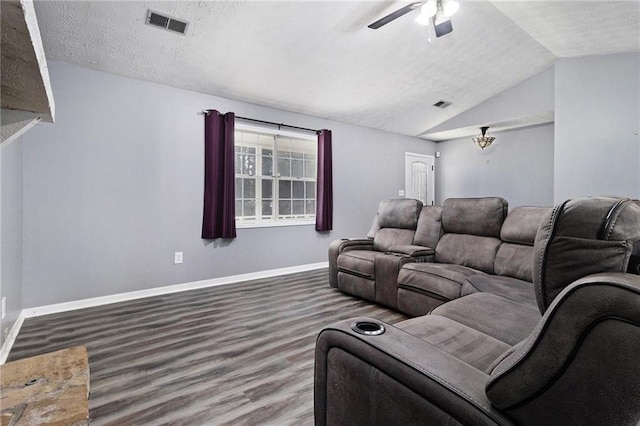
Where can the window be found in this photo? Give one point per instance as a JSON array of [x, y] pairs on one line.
[[275, 176]]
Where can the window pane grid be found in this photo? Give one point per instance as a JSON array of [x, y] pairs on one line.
[[275, 177]]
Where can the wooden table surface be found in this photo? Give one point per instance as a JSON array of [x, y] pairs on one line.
[[49, 389]]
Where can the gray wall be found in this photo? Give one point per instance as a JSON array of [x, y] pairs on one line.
[[114, 187], [593, 147], [597, 147], [518, 166], [11, 232]]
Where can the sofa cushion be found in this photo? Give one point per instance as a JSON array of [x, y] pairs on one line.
[[510, 288], [439, 280], [515, 255], [415, 304], [476, 216], [399, 213], [522, 223], [514, 260], [473, 347], [468, 250], [359, 262], [375, 226], [357, 285], [388, 237], [429, 227], [504, 319]]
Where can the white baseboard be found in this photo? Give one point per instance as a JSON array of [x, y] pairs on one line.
[[157, 291], [11, 338]]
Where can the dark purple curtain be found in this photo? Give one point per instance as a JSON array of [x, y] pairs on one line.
[[219, 213], [324, 194]]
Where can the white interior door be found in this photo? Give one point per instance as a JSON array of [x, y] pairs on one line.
[[419, 176]]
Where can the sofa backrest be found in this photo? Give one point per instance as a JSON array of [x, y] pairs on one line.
[[471, 231], [515, 255], [583, 237], [397, 220], [429, 228]]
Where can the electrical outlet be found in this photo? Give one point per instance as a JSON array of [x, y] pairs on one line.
[[177, 257], [401, 192], [4, 307]]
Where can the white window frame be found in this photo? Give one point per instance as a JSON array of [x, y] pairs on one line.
[[274, 222]]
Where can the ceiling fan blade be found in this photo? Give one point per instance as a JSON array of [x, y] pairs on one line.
[[395, 15]]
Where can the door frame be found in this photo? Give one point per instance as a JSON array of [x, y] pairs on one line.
[[431, 174]]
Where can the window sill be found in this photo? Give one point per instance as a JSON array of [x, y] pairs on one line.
[[272, 224]]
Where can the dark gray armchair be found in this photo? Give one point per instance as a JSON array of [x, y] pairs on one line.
[[403, 231]]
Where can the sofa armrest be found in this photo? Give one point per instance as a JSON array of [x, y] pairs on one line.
[[394, 378], [387, 268], [413, 251], [354, 243], [338, 246]]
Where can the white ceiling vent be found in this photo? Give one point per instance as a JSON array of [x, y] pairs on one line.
[[166, 22], [442, 104]]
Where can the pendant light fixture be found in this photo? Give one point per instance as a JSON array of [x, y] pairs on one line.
[[483, 140]]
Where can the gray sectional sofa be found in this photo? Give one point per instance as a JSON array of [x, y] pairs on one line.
[[417, 257], [542, 327]]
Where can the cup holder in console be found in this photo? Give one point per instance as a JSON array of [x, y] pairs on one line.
[[368, 328]]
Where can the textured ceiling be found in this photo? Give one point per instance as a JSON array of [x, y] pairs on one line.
[[321, 59], [578, 28]]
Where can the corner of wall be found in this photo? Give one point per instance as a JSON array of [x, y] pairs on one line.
[[597, 123], [11, 192]]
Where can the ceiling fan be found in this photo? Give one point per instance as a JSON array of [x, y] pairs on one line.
[[438, 11]]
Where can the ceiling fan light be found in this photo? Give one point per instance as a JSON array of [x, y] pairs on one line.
[[423, 19], [429, 9], [440, 18], [449, 7]]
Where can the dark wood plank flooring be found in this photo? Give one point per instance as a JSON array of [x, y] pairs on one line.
[[240, 354]]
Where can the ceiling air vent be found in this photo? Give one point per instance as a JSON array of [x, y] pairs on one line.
[[442, 104], [166, 22]]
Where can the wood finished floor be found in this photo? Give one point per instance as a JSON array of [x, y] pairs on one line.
[[239, 354]]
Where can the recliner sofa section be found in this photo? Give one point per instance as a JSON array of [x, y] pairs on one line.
[[468, 246], [481, 250], [404, 231]]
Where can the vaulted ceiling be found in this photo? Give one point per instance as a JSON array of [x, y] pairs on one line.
[[319, 57]]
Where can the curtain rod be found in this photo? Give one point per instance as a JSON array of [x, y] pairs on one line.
[[206, 111]]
